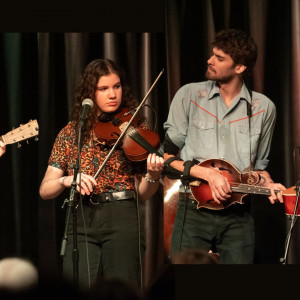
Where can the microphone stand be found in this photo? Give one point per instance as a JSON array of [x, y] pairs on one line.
[[293, 221], [72, 209]]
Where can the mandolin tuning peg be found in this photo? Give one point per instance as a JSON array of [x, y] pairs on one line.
[[36, 138], [27, 142], [19, 145]]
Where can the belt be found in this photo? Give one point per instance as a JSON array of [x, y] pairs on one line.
[[95, 199], [188, 195]]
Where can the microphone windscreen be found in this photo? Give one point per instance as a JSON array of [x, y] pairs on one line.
[[88, 102]]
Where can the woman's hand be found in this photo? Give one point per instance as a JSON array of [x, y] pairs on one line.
[[150, 182], [85, 183], [155, 165]]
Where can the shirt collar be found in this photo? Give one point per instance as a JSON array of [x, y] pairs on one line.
[[215, 91]]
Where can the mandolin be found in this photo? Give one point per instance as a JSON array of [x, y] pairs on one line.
[[23, 132], [241, 185]]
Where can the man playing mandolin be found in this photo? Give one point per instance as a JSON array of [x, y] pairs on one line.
[[220, 120]]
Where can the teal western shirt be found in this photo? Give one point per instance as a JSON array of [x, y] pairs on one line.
[[201, 125]]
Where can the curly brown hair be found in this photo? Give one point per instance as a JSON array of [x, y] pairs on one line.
[[87, 86], [240, 46]]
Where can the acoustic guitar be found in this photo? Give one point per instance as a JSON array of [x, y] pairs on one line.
[[241, 185], [23, 132]]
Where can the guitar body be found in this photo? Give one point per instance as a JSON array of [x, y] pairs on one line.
[[201, 190]]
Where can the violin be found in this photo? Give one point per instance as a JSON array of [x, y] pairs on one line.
[[137, 142]]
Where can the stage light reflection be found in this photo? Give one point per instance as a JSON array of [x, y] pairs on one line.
[[172, 190]]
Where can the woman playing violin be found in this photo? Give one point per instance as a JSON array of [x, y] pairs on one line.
[[110, 209]]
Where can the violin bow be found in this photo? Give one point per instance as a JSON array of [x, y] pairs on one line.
[[127, 126]]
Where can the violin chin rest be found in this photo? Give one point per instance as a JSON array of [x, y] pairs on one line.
[[109, 116], [105, 117]]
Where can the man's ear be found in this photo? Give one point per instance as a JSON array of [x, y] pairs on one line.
[[239, 69]]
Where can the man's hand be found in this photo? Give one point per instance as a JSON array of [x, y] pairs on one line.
[[276, 188], [219, 185], [276, 196]]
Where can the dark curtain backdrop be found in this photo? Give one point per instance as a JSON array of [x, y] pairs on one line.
[[39, 70]]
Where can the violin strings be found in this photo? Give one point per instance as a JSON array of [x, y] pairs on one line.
[[141, 141]]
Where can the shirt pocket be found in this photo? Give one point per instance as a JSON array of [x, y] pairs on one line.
[[244, 139], [205, 133]]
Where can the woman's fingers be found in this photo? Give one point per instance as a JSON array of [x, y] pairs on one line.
[[85, 184]]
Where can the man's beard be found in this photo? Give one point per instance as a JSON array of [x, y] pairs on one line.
[[220, 79]]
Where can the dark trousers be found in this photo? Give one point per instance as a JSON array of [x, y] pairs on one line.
[[112, 248], [229, 231]]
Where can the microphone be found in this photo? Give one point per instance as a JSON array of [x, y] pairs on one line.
[[87, 105]]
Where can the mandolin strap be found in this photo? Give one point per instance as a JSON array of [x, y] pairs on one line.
[[249, 113], [185, 179], [251, 176]]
